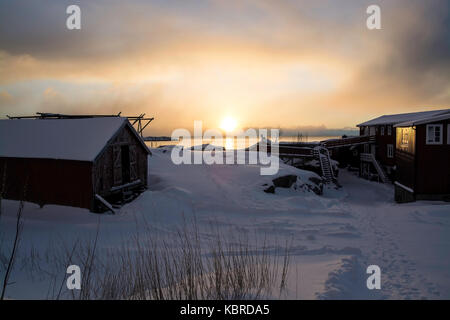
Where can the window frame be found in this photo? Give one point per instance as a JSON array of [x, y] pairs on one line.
[[390, 151], [434, 125], [389, 130], [448, 133], [382, 130]]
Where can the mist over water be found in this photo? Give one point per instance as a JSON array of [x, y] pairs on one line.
[[228, 143]]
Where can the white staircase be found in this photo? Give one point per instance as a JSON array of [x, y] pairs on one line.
[[323, 156], [369, 157]]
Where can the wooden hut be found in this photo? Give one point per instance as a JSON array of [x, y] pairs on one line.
[[72, 162]]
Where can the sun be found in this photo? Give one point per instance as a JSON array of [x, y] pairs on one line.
[[228, 124]]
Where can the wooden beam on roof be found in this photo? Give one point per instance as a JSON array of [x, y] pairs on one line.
[[133, 119]]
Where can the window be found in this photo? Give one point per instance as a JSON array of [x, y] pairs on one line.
[[448, 133], [390, 150], [405, 138], [389, 130], [434, 133], [382, 130]]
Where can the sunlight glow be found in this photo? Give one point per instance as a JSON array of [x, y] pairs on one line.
[[228, 124]]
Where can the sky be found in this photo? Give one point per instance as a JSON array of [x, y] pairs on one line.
[[308, 66]]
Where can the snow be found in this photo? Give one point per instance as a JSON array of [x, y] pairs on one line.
[[403, 187], [424, 120], [106, 203], [334, 237], [403, 117], [67, 139]]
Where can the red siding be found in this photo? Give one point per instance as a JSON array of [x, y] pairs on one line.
[[433, 163], [406, 169], [48, 181], [382, 142], [382, 146]]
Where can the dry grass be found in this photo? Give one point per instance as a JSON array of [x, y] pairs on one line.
[[175, 266]]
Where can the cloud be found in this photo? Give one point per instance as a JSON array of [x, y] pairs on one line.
[[271, 63], [5, 97]]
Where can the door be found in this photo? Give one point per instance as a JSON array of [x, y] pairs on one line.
[[125, 155], [117, 162]]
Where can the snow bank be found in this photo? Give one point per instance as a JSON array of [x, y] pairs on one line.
[[332, 237]]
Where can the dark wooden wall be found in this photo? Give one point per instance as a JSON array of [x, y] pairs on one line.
[[47, 181], [382, 142], [433, 163], [406, 172], [107, 171]]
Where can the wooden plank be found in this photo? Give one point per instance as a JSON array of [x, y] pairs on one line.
[[105, 203], [126, 185]]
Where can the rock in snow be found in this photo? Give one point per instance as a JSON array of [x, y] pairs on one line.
[[313, 184]]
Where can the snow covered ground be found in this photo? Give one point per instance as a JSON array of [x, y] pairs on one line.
[[334, 237]]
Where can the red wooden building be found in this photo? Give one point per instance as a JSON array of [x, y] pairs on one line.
[[423, 159], [73, 162], [383, 129]]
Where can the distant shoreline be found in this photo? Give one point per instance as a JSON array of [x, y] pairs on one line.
[[162, 138]]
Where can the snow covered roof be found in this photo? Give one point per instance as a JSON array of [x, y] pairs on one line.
[[423, 120], [403, 117], [67, 139]]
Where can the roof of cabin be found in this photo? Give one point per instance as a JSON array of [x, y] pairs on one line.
[[66, 139], [403, 117], [424, 120]]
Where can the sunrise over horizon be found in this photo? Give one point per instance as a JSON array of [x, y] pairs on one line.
[[302, 66], [218, 157]]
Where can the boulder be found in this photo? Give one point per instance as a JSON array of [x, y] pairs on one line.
[[270, 189], [285, 181]]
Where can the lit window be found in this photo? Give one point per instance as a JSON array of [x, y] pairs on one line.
[[405, 137], [434, 133], [390, 150], [382, 130]]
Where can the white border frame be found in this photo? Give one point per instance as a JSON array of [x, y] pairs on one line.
[[448, 133], [441, 135], [387, 151]]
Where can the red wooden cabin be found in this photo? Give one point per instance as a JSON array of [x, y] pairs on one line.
[[70, 161]]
